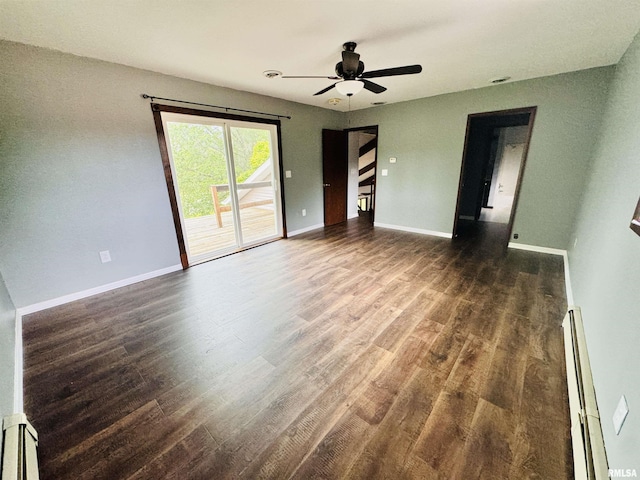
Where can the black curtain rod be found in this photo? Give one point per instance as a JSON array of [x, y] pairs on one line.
[[152, 98]]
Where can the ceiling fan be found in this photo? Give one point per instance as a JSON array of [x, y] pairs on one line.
[[352, 77]]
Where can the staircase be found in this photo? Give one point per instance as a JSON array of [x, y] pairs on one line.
[[367, 172]]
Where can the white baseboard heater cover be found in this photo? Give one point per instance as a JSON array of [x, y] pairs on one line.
[[19, 449], [589, 455]]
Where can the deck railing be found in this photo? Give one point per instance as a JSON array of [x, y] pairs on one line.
[[215, 189]]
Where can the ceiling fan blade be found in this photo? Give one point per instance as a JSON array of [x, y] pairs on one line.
[[350, 61], [390, 72], [333, 77], [324, 90], [373, 87]]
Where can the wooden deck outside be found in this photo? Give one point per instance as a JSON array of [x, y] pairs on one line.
[[204, 235]]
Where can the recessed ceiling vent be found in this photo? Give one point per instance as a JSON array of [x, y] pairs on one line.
[[272, 73], [500, 79]]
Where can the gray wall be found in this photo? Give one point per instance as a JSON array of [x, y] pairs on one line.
[[605, 263], [7, 352], [427, 137], [81, 169]]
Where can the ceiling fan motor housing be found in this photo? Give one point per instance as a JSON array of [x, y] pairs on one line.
[[349, 75]]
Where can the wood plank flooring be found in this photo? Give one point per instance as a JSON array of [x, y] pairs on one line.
[[348, 352]]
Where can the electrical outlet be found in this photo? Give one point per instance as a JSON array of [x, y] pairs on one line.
[[393, 160], [287, 173], [105, 256], [515, 236], [575, 242], [304, 212]]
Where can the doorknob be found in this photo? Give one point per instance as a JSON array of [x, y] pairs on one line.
[[326, 184]]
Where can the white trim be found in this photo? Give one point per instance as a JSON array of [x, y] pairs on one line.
[[467, 217], [535, 248], [305, 230], [413, 230], [587, 412], [353, 215], [18, 368], [567, 279], [552, 251], [54, 302]]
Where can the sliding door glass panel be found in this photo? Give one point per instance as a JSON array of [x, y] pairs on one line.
[[199, 159], [226, 181], [253, 163]]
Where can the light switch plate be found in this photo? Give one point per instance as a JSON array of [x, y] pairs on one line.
[[620, 414], [105, 256], [287, 173], [385, 172]]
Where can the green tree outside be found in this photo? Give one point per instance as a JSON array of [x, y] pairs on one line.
[[199, 159]]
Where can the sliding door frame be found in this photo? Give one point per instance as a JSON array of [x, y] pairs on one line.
[[157, 110]]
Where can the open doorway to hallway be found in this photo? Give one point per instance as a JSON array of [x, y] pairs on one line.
[[363, 147], [495, 152], [349, 159], [502, 174]]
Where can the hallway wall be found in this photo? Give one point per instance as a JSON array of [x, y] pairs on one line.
[[605, 262]]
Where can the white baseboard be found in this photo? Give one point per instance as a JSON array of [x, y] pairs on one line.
[[467, 217], [18, 368], [353, 215], [551, 251], [305, 230], [413, 230], [535, 248], [54, 302]]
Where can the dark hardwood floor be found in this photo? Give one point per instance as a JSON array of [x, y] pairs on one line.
[[349, 352]]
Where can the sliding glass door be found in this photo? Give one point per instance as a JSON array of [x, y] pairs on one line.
[[226, 180]]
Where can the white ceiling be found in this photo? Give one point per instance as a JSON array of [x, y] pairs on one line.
[[461, 44]]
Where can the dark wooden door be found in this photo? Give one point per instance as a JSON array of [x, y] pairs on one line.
[[334, 176]]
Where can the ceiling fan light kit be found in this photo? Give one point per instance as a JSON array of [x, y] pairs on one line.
[[349, 87]]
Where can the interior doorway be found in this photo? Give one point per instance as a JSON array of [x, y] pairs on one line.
[[495, 151], [223, 176], [363, 160], [349, 159]]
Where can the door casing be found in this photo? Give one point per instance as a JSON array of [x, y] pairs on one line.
[[502, 118]]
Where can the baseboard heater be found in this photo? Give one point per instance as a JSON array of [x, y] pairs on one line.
[[589, 455], [19, 449]]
